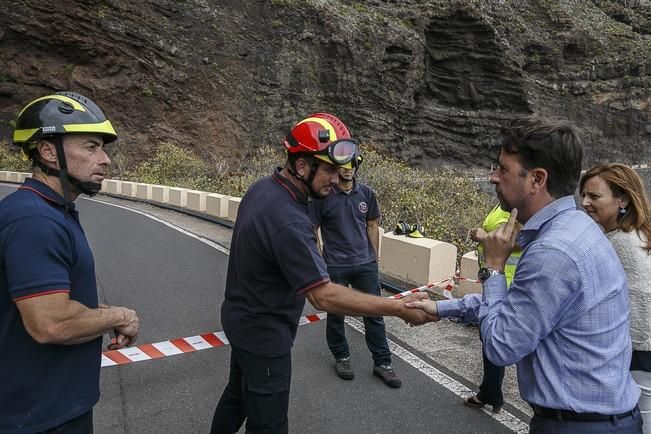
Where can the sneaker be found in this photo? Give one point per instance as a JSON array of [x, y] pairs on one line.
[[385, 372], [343, 369]]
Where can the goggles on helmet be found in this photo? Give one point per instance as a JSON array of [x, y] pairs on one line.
[[341, 153]]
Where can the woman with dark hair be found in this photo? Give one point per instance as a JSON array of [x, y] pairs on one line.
[[615, 197]]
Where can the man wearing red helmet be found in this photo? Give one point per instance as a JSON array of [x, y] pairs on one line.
[[274, 265]]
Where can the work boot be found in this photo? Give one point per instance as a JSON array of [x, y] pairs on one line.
[[343, 369], [385, 372]]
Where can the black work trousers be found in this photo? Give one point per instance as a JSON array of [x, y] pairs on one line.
[[257, 391], [80, 425], [490, 390]]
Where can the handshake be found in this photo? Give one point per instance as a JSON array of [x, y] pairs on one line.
[[418, 309]]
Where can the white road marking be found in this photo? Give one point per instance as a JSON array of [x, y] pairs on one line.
[[504, 417], [168, 224]]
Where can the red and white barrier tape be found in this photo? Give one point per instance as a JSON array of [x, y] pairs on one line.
[[204, 341], [173, 347]]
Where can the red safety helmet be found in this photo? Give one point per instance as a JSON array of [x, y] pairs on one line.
[[324, 136]]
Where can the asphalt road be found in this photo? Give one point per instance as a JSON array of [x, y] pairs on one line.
[[176, 283]]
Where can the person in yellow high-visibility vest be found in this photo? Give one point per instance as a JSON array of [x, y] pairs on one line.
[[490, 390], [493, 220]]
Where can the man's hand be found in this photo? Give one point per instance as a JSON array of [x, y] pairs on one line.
[[417, 316], [127, 332], [426, 305], [478, 235], [500, 243]]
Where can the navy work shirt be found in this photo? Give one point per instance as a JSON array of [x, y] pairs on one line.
[[274, 261], [342, 217], [43, 250]]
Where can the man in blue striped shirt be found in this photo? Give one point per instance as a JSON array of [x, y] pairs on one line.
[[565, 318]]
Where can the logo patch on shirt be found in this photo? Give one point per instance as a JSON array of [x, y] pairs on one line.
[[363, 207]]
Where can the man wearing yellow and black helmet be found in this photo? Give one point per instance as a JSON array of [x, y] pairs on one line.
[[52, 324], [274, 265]]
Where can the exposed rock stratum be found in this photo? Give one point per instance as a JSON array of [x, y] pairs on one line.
[[428, 81]]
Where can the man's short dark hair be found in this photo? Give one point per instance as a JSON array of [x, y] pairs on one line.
[[292, 158], [554, 145]]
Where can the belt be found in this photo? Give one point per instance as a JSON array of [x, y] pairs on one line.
[[568, 415]]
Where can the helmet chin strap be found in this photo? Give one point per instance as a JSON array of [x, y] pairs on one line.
[[88, 188], [310, 178]]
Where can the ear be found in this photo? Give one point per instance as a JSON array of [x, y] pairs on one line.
[[47, 151], [538, 179], [302, 168], [624, 201]]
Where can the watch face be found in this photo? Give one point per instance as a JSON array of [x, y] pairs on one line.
[[483, 274]]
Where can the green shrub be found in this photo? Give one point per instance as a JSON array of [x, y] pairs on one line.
[[177, 167], [257, 163], [446, 203], [11, 158]]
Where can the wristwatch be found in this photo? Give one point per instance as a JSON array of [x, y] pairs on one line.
[[485, 273]]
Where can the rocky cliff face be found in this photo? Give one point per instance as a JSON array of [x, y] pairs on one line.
[[430, 81]]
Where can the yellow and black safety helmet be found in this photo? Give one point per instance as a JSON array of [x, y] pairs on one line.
[[53, 116], [58, 114]]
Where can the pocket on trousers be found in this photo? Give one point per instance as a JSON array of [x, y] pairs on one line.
[[271, 386]]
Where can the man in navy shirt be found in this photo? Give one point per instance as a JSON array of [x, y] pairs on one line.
[[274, 265], [52, 325], [348, 219]]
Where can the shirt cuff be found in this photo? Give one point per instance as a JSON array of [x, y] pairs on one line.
[[447, 308], [494, 289]]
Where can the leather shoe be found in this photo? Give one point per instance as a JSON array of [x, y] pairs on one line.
[[474, 402]]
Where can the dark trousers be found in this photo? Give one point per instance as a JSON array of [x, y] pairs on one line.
[[365, 279], [490, 390], [627, 425], [258, 391], [80, 425]]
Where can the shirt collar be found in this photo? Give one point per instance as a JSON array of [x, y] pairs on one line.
[[294, 191], [336, 189], [44, 191], [530, 229]]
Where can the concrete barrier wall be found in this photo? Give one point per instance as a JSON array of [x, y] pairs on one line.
[[417, 261], [233, 207], [143, 191], [178, 197], [414, 261], [217, 205], [113, 186], [128, 189], [196, 200], [468, 271], [160, 193], [13, 177]]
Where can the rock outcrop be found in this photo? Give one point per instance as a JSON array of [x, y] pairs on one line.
[[429, 81]]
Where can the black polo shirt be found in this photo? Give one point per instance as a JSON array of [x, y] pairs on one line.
[[274, 261], [43, 250], [342, 217]]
